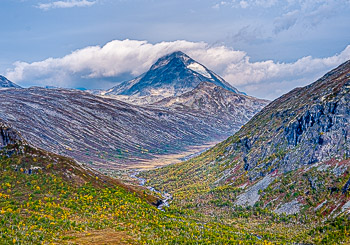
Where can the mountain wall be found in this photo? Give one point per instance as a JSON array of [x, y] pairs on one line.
[[106, 132]]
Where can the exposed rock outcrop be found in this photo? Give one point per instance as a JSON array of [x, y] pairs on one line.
[[305, 126], [8, 136]]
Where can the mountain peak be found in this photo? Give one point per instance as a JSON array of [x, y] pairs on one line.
[[5, 83], [178, 54], [171, 75], [177, 57]]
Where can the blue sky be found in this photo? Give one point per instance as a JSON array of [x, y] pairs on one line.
[[262, 47]]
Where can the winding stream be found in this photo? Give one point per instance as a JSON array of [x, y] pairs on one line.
[[166, 197]]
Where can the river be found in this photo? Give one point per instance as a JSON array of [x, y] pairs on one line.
[[166, 197]]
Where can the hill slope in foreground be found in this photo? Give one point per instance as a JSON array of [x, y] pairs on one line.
[[50, 199], [291, 160]]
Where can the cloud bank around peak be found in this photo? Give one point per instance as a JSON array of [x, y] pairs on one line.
[[104, 66], [65, 4]]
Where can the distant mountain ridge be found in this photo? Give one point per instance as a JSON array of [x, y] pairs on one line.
[[210, 99], [107, 131], [172, 75], [5, 83]]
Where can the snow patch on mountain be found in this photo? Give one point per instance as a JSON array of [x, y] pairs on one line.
[[199, 69]]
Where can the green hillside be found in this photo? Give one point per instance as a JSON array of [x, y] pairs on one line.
[[48, 199]]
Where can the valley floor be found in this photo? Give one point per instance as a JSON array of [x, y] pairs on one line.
[[163, 160]]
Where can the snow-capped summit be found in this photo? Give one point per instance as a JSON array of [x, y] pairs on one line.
[[5, 83], [172, 75]]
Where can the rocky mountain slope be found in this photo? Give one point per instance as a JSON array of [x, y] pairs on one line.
[[14, 145], [106, 131], [210, 99], [5, 83], [171, 75], [292, 158]]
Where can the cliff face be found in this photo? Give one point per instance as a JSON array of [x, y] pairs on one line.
[[306, 126]]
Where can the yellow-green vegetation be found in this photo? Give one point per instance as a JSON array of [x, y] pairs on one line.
[[194, 186], [49, 199]]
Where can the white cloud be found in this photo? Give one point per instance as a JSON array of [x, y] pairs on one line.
[[65, 4], [246, 72], [89, 66]]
